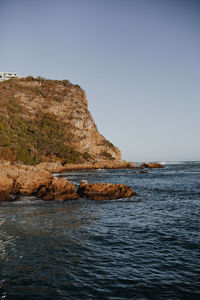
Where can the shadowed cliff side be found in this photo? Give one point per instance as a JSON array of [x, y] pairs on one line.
[[48, 120]]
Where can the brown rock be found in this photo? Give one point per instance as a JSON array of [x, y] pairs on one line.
[[21, 179], [151, 165], [52, 167], [5, 196], [30, 182], [6, 183], [48, 196], [130, 165], [154, 165], [16, 188], [63, 189], [104, 191], [58, 189], [143, 165]]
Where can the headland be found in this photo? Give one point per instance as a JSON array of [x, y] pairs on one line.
[[45, 128]]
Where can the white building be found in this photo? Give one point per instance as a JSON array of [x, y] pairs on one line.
[[8, 75]]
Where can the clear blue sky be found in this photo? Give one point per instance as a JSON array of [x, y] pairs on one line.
[[137, 60]]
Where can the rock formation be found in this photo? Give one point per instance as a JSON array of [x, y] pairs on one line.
[[5, 196], [104, 191], [48, 120], [46, 127], [28, 180], [151, 165], [58, 189], [20, 180]]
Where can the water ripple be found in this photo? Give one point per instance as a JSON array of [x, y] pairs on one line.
[[139, 248]]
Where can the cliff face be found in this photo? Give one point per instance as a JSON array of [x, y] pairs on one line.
[[42, 120]]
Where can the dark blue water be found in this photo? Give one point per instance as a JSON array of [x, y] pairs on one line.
[[140, 248]]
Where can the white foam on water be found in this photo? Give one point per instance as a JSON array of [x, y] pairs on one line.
[[172, 162]]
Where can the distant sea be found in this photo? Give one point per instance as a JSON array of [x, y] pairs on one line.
[[146, 247]]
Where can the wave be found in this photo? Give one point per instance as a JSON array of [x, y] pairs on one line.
[[173, 162], [179, 162]]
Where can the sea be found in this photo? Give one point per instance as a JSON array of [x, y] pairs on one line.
[[145, 247]]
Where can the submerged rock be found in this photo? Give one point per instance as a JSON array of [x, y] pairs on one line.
[[104, 191]]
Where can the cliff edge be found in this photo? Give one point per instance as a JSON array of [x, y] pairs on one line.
[[48, 120]]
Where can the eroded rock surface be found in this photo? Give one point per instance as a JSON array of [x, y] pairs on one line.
[[104, 191], [5, 196], [30, 182], [58, 189], [151, 165], [19, 180], [6, 183]]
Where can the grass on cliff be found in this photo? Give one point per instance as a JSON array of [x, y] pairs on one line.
[[32, 138], [39, 79], [44, 137], [31, 141], [49, 89]]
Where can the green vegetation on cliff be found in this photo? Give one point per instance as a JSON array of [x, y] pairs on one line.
[[48, 120], [30, 141]]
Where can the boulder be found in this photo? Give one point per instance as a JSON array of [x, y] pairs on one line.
[[6, 183], [104, 191], [130, 165], [22, 179], [154, 165], [28, 183], [5, 196], [151, 165], [58, 189]]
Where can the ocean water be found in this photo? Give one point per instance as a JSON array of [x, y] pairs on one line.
[[146, 247]]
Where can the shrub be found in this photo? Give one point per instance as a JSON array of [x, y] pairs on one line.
[[40, 79], [86, 156], [6, 153], [66, 82], [41, 93], [106, 155], [29, 78], [42, 138]]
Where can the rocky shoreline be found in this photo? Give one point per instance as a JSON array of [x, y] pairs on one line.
[[45, 120], [18, 180]]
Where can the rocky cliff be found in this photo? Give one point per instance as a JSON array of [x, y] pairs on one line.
[[48, 120]]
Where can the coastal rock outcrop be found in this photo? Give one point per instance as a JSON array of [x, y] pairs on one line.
[[58, 189], [24, 180], [6, 183], [28, 183], [104, 191], [5, 196], [57, 167], [28, 180], [151, 165], [6, 187]]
